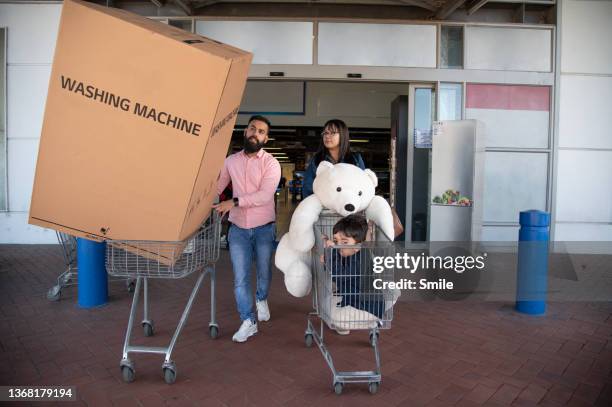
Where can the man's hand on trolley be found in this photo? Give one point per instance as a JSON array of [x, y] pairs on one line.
[[224, 207]]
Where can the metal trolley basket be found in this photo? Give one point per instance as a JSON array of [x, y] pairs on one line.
[[69, 276], [344, 298], [170, 260]]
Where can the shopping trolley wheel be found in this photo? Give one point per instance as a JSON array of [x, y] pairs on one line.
[[214, 331], [148, 328], [338, 388], [128, 373], [373, 387], [54, 293], [372, 338], [170, 374], [308, 340]]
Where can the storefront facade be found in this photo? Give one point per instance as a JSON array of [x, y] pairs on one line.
[[542, 91]]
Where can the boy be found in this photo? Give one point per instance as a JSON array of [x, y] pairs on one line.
[[349, 265]]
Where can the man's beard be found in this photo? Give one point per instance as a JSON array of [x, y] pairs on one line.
[[250, 147]]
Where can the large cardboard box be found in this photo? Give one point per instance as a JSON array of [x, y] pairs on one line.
[[138, 120]]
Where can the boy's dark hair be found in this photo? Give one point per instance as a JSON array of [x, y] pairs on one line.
[[261, 119], [354, 226]]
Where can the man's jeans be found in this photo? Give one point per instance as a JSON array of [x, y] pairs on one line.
[[245, 246]]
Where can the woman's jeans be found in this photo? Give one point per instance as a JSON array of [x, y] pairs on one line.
[[245, 246]]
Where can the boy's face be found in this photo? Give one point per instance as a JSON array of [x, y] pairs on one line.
[[342, 239]]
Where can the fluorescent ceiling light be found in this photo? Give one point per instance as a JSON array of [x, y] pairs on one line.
[[359, 141]]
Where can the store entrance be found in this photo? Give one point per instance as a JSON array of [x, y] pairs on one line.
[[298, 111]]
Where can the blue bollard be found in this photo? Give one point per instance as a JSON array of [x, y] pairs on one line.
[[532, 273], [92, 280]]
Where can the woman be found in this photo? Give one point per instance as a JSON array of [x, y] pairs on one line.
[[335, 148]]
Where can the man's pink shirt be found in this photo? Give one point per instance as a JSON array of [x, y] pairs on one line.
[[254, 182]]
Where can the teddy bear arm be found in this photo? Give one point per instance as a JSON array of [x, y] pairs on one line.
[[380, 212], [302, 221]]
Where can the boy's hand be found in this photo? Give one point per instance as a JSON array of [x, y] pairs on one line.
[[327, 242]]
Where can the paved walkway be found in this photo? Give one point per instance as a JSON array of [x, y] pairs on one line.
[[437, 353]]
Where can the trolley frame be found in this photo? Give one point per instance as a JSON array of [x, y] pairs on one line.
[[373, 378], [197, 254]]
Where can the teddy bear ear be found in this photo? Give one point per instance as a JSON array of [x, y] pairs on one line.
[[372, 176], [324, 166]]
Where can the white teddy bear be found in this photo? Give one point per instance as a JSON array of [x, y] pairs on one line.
[[342, 188]]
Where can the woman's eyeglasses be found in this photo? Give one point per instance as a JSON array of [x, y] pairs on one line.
[[329, 133]]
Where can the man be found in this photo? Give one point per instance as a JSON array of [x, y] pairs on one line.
[[254, 174]]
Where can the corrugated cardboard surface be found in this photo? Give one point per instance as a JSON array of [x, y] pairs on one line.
[[107, 172]]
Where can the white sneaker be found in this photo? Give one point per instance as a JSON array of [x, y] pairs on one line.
[[247, 329], [263, 312]]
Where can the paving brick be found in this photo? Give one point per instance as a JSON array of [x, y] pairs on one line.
[[578, 402], [152, 400], [558, 393], [532, 394], [467, 403], [505, 394], [587, 392], [461, 367], [452, 394], [125, 401], [480, 393]]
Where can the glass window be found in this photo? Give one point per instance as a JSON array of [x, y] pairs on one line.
[[451, 101], [369, 44], [451, 47], [271, 42], [424, 108], [424, 115], [182, 24]]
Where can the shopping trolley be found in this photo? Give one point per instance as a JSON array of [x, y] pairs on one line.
[[69, 276], [170, 260], [344, 297]]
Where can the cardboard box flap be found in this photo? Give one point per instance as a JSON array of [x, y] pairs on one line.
[[205, 188]]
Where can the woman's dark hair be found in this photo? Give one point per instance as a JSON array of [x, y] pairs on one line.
[[345, 155], [354, 226]]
